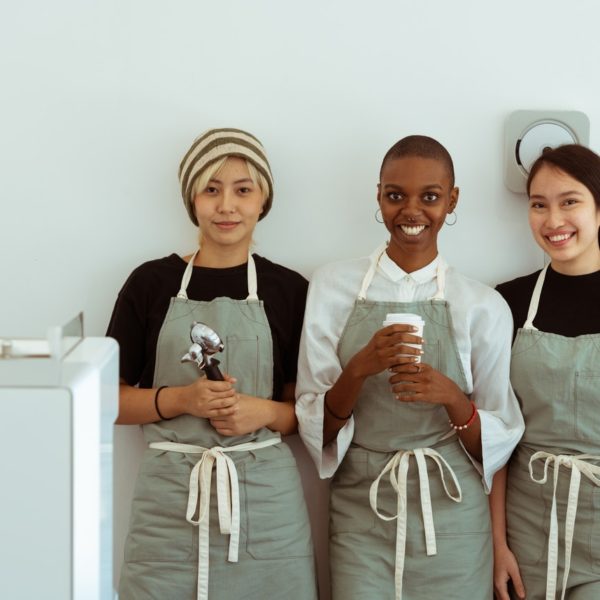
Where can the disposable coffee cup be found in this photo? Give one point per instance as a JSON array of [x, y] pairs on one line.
[[407, 319]]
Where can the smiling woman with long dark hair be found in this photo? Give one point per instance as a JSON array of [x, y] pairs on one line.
[[554, 475]]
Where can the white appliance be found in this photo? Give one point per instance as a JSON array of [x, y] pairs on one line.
[[58, 403]]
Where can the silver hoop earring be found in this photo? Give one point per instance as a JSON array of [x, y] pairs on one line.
[[455, 219], [378, 211]]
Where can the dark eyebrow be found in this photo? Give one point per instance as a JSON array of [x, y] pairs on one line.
[[570, 193], [561, 195]]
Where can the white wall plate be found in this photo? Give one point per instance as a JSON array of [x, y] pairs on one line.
[[528, 132]]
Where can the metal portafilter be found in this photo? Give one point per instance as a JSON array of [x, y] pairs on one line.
[[205, 343]]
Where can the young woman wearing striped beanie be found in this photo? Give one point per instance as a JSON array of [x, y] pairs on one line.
[[218, 509]]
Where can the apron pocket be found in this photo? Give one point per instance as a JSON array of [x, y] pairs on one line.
[[587, 416], [527, 517], [451, 519], [277, 519], [350, 510], [158, 530], [242, 362], [431, 354]]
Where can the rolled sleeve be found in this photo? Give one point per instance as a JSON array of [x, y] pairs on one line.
[[331, 296], [309, 410], [489, 322]]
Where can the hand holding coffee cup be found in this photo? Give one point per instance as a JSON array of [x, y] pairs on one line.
[[407, 319]]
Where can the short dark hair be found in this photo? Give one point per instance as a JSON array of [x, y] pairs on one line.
[[575, 160], [422, 146]]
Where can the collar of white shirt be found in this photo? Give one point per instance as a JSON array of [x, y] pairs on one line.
[[424, 275]]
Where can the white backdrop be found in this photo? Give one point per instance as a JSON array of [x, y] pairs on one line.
[[101, 99]]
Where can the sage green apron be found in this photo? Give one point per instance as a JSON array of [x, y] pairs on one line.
[[445, 556], [554, 477], [249, 530]]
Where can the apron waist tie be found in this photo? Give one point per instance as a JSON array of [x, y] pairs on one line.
[[398, 469], [579, 466], [228, 497]]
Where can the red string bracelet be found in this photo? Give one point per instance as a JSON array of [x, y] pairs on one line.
[[468, 423]]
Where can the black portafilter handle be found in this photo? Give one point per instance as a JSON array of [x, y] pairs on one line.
[[212, 371]]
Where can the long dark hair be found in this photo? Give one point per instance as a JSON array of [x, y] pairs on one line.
[[575, 160]]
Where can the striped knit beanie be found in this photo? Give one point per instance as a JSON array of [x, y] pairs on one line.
[[213, 145]]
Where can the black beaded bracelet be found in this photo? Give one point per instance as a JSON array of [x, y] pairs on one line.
[[158, 391], [333, 414]]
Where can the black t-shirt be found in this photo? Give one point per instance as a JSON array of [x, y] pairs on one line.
[[569, 304], [143, 301]]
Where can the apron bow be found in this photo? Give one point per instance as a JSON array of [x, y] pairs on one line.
[[579, 466], [228, 497], [397, 467]]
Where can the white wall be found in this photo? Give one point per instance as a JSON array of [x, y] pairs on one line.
[[101, 99]]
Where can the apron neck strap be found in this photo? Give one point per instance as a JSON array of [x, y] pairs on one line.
[[252, 279], [374, 261], [440, 276], [535, 300]]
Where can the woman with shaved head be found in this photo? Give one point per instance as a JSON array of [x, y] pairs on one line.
[[411, 436]]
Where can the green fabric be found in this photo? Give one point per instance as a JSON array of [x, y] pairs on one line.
[[161, 552], [557, 382], [381, 422], [248, 356], [362, 546]]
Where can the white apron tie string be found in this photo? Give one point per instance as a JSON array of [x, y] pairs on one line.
[[579, 466], [398, 468], [228, 497]]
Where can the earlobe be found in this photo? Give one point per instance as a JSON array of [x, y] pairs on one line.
[[453, 199]]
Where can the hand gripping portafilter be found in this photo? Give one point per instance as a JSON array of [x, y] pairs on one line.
[[205, 343]]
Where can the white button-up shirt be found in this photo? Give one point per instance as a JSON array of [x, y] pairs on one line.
[[482, 325]]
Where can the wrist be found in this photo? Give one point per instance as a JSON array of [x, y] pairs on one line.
[[354, 369], [178, 400], [457, 401], [166, 402]]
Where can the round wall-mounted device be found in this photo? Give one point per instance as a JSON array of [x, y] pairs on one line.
[[528, 133]]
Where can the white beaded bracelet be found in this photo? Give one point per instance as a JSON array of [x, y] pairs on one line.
[[468, 423]]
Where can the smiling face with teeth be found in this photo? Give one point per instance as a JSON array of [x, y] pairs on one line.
[[564, 220], [415, 195]]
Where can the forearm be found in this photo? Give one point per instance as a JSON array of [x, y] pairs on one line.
[[459, 413], [340, 400], [497, 501], [137, 405], [283, 417]]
